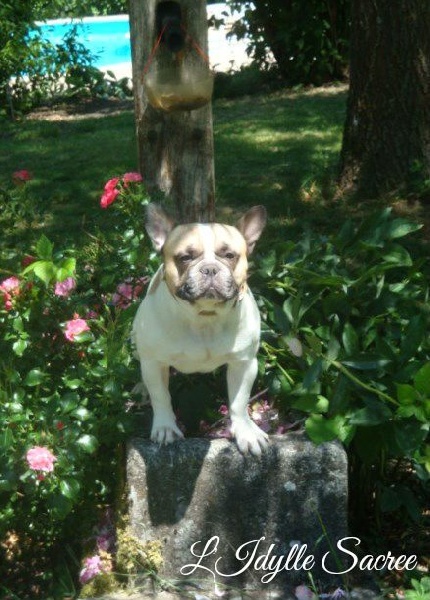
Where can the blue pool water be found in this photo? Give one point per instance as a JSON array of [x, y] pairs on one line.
[[107, 38]]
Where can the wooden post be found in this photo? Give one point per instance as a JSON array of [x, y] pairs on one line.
[[175, 148]]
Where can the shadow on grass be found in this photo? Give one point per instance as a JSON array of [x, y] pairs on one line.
[[69, 161], [280, 150]]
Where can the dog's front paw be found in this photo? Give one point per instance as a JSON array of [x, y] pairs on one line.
[[165, 432], [249, 437]]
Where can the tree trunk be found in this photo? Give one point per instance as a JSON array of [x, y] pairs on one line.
[[386, 143], [175, 148]]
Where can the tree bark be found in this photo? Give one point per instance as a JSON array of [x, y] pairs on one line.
[[175, 148], [386, 143]]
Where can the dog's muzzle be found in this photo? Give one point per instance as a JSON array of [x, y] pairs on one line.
[[209, 281]]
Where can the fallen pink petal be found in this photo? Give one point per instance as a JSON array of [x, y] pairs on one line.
[[92, 567]]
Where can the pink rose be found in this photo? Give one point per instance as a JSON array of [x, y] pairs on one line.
[[41, 459], [9, 288], [108, 197], [21, 176], [129, 177], [65, 288], [75, 327], [111, 184], [110, 192], [10, 285], [128, 291]]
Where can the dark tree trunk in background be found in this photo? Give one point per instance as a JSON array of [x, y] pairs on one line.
[[386, 144]]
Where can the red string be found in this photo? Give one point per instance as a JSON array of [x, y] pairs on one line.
[[158, 42], [197, 47], [153, 51]]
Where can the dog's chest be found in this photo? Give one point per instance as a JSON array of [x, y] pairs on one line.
[[201, 350]]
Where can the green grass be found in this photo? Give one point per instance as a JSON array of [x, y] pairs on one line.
[[280, 143], [70, 162], [280, 150]]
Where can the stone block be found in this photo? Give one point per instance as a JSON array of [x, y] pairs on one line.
[[205, 493]]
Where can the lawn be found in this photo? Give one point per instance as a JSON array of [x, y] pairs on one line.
[[285, 146]]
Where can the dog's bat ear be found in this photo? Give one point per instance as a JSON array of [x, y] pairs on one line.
[[158, 224], [251, 224]]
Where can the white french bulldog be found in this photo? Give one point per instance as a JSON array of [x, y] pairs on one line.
[[199, 314]]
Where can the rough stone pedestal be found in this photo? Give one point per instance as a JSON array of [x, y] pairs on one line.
[[197, 491]]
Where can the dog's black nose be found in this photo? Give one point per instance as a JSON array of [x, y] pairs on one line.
[[209, 270]]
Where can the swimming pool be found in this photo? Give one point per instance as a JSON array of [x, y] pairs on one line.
[[107, 38]]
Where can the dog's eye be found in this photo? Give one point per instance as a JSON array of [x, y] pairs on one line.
[[185, 258], [230, 255]]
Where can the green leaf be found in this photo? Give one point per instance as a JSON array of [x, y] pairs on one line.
[[34, 377], [44, 248], [373, 414], [318, 404], [88, 443], [70, 488], [397, 255], [18, 325], [422, 380], [66, 269], [81, 413], [7, 485], [44, 270], [6, 439], [322, 430], [332, 349], [73, 384], [350, 339], [19, 347], [367, 363], [70, 401], [406, 394], [60, 505], [288, 310], [409, 435], [372, 230], [85, 336], [414, 335], [282, 323], [313, 374], [398, 228]]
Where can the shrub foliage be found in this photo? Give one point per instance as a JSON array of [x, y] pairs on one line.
[[307, 39], [347, 344]]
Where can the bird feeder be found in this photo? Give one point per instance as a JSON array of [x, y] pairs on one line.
[[176, 76]]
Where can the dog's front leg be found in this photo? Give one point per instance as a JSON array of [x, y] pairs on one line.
[[155, 376], [240, 379]]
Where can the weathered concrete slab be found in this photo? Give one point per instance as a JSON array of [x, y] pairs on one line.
[[204, 492]]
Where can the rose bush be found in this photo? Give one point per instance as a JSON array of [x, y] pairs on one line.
[[66, 374]]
